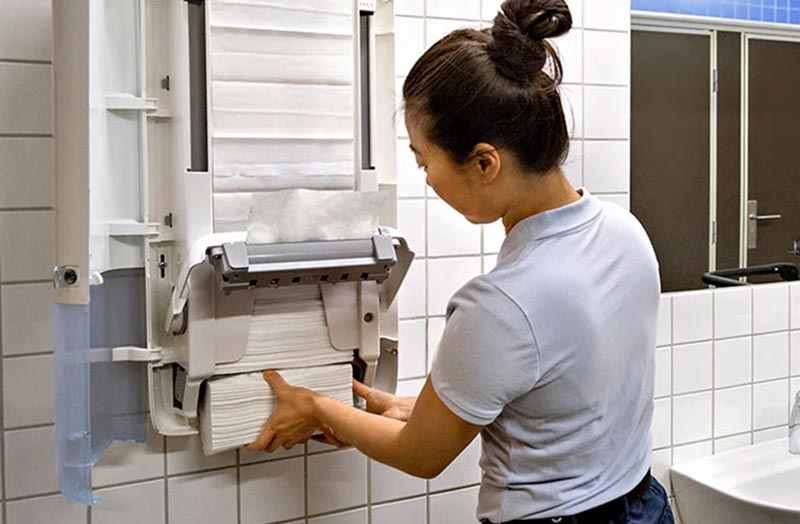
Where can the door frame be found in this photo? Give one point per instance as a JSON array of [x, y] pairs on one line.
[[750, 30]]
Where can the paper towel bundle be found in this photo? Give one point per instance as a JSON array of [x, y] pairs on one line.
[[287, 329], [234, 409]]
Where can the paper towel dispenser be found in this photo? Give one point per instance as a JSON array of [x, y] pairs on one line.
[[156, 282]]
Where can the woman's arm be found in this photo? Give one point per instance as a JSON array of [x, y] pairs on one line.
[[423, 446]]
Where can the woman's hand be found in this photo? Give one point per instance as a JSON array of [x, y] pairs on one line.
[[385, 404], [292, 421]]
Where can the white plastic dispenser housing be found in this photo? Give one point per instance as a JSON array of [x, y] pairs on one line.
[[176, 122]]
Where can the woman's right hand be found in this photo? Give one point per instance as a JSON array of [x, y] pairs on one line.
[[385, 404]]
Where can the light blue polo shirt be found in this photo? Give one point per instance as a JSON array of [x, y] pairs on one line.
[[553, 352]]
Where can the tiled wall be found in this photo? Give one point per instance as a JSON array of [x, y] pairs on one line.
[[727, 366], [780, 11], [168, 480]]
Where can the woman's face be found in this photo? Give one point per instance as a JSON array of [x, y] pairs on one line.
[[460, 186]]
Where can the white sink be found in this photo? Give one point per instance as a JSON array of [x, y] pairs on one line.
[[753, 485]]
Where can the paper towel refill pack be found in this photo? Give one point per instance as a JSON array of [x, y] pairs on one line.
[[218, 214]]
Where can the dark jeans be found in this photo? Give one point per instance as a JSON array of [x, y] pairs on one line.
[[653, 508]]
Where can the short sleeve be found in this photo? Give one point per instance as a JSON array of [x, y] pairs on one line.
[[487, 356]]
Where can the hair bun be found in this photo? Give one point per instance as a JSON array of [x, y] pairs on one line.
[[518, 49]]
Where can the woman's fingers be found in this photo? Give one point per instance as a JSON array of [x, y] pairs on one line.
[[361, 390], [275, 380], [264, 439]]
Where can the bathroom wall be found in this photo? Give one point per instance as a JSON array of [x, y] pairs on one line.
[[168, 480]]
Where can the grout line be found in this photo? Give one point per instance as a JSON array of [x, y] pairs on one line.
[[25, 61], [3, 480], [26, 135], [26, 209], [25, 282]]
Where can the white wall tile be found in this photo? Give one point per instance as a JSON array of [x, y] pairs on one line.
[[619, 199], [732, 362], [692, 368], [795, 356], [54, 509], [465, 9], [733, 312], [770, 356], [691, 418], [411, 223], [27, 238], [462, 472], [489, 8], [131, 504], [410, 179], [185, 455], [570, 51], [358, 516], [691, 317], [26, 99], [27, 312], [131, 461], [576, 9], [770, 404], [454, 506], [449, 233], [410, 35], [663, 381], [662, 423], [489, 263], [28, 175], [767, 435], [28, 391], [724, 444], [494, 235], [406, 512], [411, 355], [606, 112], [607, 58], [409, 7], [436, 29], [448, 275], [732, 411], [272, 491], [573, 166], [435, 330], [410, 388], [336, 480], [664, 329], [26, 30], [770, 308], [30, 461], [662, 461], [607, 168], [794, 292], [610, 14], [208, 497], [572, 102], [387, 483], [255, 457], [690, 452], [411, 298]]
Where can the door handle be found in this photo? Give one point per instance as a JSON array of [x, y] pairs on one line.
[[765, 217]]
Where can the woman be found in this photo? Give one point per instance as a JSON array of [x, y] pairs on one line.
[[549, 356]]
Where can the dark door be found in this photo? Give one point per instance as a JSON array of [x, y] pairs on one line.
[[670, 151], [774, 148]]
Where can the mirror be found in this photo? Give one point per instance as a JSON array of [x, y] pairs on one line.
[[715, 169]]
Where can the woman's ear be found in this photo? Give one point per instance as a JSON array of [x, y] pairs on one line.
[[487, 161]]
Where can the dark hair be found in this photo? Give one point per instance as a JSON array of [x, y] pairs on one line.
[[496, 85]]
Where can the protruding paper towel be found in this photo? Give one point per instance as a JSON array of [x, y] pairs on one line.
[[302, 215]]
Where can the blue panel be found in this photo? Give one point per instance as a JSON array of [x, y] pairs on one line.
[[772, 11]]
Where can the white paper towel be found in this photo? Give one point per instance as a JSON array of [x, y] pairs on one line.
[[234, 409], [301, 215]]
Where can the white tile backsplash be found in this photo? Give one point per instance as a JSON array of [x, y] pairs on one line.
[[28, 240], [26, 99], [572, 102], [662, 423], [573, 166], [732, 362], [732, 411], [28, 391], [358, 516], [771, 308], [690, 452], [208, 497], [185, 455], [570, 51], [30, 462], [436, 29], [409, 7], [465, 9], [262, 485], [446, 276], [31, 40], [28, 175], [131, 461], [411, 221], [663, 381], [453, 506], [724, 444], [606, 112], [691, 418], [412, 356], [795, 353], [733, 312], [608, 14], [411, 32], [27, 312], [770, 404], [54, 509], [607, 58], [692, 368], [770, 356], [664, 328], [449, 233], [336, 480], [124, 504], [411, 298], [691, 317], [494, 235], [406, 511], [607, 166], [387, 483]]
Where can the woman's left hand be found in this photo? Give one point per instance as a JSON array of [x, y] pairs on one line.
[[292, 421]]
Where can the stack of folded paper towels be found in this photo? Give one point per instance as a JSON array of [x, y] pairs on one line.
[[288, 331]]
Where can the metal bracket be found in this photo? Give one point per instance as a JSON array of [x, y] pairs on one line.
[[66, 276]]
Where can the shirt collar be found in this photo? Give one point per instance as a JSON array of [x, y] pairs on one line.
[[553, 222]]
